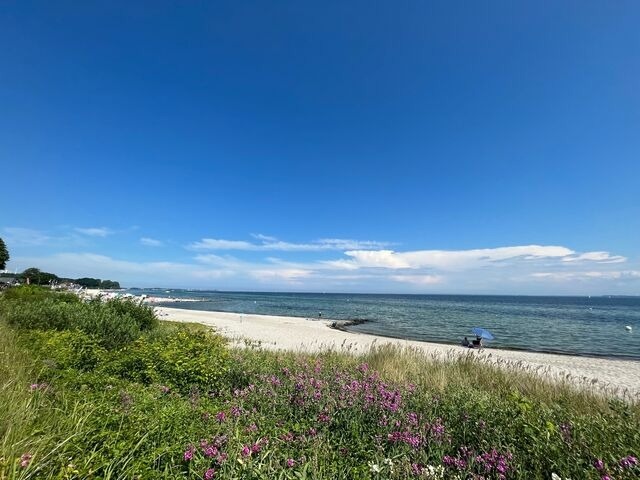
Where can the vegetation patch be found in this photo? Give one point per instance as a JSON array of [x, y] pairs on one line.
[[169, 401]]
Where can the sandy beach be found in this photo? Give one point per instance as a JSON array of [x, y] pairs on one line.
[[621, 377]]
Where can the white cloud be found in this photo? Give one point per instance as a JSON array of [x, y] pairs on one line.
[[588, 275], [95, 231], [290, 275], [601, 257], [532, 269], [446, 259], [151, 242], [418, 279], [268, 243]]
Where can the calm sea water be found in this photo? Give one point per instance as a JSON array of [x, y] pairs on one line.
[[572, 325]]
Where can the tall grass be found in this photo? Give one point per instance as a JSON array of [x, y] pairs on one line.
[[174, 402]]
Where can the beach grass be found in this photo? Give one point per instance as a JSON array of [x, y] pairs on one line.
[[175, 402]]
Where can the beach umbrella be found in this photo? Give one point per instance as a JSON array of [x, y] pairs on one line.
[[482, 333]]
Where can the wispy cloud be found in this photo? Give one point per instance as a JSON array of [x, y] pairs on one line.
[[25, 236], [151, 242], [267, 243], [588, 275], [95, 231]]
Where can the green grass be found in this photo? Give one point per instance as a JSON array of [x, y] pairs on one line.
[[73, 407]]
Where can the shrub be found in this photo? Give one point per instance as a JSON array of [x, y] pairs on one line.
[[143, 315], [65, 349], [180, 359], [34, 293], [113, 323]]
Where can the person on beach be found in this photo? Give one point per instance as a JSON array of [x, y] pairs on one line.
[[465, 342], [478, 342], [320, 314]]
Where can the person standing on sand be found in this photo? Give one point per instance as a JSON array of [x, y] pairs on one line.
[[320, 314]]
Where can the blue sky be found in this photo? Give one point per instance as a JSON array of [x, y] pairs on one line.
[[419, 147]]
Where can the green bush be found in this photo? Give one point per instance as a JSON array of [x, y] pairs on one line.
[[64, 349], [113, 323], [34, 293], [180, 359], [143, 315]]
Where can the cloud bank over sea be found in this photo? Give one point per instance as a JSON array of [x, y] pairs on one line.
[[330, 264]]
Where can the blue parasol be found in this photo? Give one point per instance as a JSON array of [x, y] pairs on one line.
[[482, 333]]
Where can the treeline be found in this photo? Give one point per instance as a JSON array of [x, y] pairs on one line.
[[36, 276]]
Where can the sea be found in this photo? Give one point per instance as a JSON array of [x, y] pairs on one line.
[[590, 326]]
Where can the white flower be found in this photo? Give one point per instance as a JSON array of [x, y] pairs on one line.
[[374, 467]]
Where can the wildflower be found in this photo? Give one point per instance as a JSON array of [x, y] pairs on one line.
[[246, 451], [188, 453], [25, 459], [290, 462], [210, 451], [164, 389], [252, 428], [599, 464], [628, 462], [221, 416], [209, 474], [374, 467]]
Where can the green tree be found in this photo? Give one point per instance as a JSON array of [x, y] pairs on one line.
[[37, 277], [4, 255], [89, 282]]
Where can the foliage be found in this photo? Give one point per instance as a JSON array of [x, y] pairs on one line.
[[4, 255], [175, 403], [113, 323], [109, 284], [34, 293], [37, 277], [180, 360]]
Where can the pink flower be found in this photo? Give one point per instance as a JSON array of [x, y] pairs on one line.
[[291, 462], [210, 451], [209, 474], [188, 453], [599, 464], [221, 416], [25, 459], [246, 451]]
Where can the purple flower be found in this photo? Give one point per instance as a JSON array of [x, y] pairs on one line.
[[210, 451], [221, 416], [290, 462], [188, 453], [246, 451], [209, 474], [252, 428], [628, 462], [599, 464]]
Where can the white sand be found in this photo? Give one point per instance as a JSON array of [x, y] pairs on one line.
[[619, 377]]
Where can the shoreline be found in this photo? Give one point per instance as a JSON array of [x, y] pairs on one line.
[[620, 377]]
